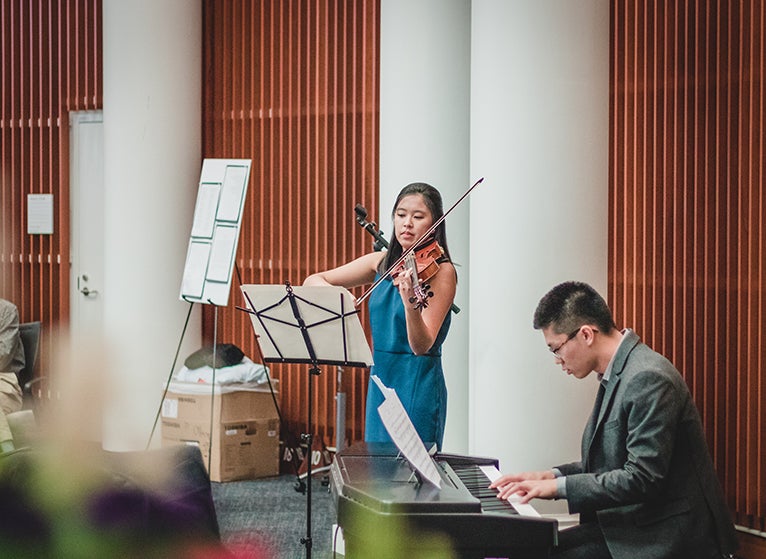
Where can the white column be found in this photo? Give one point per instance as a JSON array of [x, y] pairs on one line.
[[424, 131], [152, 161], [539, 125]]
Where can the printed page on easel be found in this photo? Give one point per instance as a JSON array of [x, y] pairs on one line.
[[215, 231]]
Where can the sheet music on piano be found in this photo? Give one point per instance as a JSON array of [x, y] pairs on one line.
[[405, 436]]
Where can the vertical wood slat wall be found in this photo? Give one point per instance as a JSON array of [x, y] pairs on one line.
[[51, 64], [292, 85], [687, 236]]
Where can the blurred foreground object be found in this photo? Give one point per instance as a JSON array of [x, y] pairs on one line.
[[129, 504]]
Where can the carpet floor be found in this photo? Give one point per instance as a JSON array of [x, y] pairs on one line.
[[266, 518]]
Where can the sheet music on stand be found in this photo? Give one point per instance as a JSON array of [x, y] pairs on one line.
[[330, 322], [405, 436]]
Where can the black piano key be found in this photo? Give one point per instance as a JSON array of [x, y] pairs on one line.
[[484, 493], [498, 505], [477, 484]]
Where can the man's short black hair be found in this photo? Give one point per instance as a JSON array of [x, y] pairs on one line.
[[570, 305]]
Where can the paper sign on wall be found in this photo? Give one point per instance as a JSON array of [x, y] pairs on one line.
[[40, 214]]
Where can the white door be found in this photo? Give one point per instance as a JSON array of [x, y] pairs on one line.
[[86, 155]]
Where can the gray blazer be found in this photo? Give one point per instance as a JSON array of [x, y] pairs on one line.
[[646, 474], [11, 350]]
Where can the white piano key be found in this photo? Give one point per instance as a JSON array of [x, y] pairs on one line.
[[492, 474]]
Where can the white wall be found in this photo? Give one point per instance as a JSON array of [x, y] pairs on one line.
[[530, 80], [539, 131], [152, 160], [424, 132], [511, 90]]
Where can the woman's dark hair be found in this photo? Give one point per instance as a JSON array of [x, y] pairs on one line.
[[433, 201], [570, 305]]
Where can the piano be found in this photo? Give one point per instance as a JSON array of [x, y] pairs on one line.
[[380, 505]]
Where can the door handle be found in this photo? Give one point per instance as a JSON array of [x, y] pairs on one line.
[[88, 292]]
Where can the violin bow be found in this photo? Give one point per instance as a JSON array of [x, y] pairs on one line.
[[425, 235]]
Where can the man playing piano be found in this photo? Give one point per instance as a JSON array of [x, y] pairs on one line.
[[645, 486]]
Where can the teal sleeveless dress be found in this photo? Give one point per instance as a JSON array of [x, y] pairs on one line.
[[417, 379]]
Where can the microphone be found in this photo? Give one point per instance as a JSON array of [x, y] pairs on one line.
[[361, 213], [361, 218]]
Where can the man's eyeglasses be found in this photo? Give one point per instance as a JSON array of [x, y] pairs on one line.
[[555, 352]]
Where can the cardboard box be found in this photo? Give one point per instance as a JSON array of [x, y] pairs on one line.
[[241, 450], [245, 437], [190, 401]]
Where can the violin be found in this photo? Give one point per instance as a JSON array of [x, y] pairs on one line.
[[425, 235], [422, 264], [381, 243]]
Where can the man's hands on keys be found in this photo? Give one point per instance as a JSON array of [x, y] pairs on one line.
[[527, 485]]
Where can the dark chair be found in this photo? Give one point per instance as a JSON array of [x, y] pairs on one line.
[[30, 338], [124, 508]]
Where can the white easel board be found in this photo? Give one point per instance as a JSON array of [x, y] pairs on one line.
[[215, 231]]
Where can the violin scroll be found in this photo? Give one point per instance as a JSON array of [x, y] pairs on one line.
[[422, 294]]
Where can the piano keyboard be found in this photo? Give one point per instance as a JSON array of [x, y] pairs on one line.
[[477, 479], [369, 490]]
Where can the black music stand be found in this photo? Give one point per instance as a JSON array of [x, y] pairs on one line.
[[314, 325]]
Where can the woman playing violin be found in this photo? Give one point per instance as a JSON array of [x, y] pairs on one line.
[[406, 336]]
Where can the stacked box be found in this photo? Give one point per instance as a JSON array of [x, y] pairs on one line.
[[245, 427]]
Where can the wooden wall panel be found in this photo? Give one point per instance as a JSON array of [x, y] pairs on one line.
[[686, 245], [292, 85], [51, 64]]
